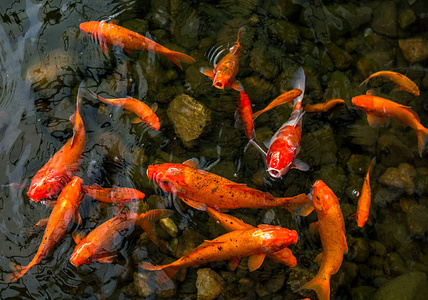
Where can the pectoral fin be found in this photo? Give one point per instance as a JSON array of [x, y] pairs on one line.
[[105, 47], [107, 259], [299, 165], [77, 218], [207, 71], [373, 120], [236, 85], [194, 204], [255, 261], [137, 120], [234, 262], [384, 121], [78, 236], [192, 162]]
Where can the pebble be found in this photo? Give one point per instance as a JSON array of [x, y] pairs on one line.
[[400, 178], [414, 49], [411, 286], [209, 284], [417, 220], [169, 226]]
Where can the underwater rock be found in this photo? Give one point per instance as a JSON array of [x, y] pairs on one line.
[[189, 240], [392, 151], [111, 144], [422, 181], [209, 284], [4, 119], [385, 18], [406, 18], [411, 286], [189, 117], [275, 283], [363, 292], [259, 90], [374, 61], [414, 49], [396, 264], [401, 178], [339, 87], [185, 23], [340, 57], [319, 147], [347, 273], [285, 8], [285, 32], [358, 164], [137, 25], [333, 176], [315, 57], [358, 249], [377, 248], [143, 284], [417, 220], [169, 226], [265, 60]]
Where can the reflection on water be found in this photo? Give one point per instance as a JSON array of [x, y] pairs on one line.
[[44, 57]]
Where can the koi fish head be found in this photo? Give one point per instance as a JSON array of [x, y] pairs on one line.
[[168, 176], [42, 188], [221, 79], [279, 159], [276, 238], [364, 102], [91, 28], [83, 254], [323, 197]]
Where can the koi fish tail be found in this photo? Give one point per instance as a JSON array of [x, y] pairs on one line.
[[301, 203], [165, 272], [321, 286], [422, 139], [20, 271], [147, 220], [240, 31], [178, 57]]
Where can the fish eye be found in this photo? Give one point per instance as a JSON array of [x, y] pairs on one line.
[[88, 258]]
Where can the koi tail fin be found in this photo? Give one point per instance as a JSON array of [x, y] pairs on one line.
[[165, 272], [240, 31], [146, 221], [422, 140], [20, 271], [301, 203], [365, 81], [178, 57], [321, 286]]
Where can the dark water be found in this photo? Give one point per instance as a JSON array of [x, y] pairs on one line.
[[44, 58]]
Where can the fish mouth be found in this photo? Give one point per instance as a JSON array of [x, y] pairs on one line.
[[218, 85], [274, 173]]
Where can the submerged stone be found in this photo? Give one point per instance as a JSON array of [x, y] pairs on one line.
[[319, 147], [385, 18], [411, 286], [414, 49], [417, 219], [189, 117], [340, 57], [209, 284], [401, 178], [392, 151]]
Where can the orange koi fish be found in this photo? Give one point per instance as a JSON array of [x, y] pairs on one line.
[[112, 34], [143, 111], [333, 240], [363, 207], [64, 210], [283, 256], [113, 195], [285, 97], [404, 82], [200, 189], [379, 110], [61, 167], [98, 244], [253, 242], [285, 143], [223, 74], [322, 107], [244, 114]]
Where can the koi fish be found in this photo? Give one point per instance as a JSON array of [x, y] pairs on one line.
[[285, 143], [98, 244], [112, 34], [113, 195], [379, 110], [404, 82], [253, 242], [323, 107], [283, 256], [285, 97], [143, 111], [64, 210], [363, 207], [61, 167], [332, 233], [223, 74], [244, 114], [200, 189]]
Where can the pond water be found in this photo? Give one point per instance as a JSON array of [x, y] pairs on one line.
[[46, 63]]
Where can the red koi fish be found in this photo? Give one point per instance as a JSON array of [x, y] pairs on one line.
[[404, 82], [363, 207], [98, 244], [283, 256], [323, 107], [112, 34], [117, 195], [285, 97], [143, 111], [244, 114], [253, 242], [61, 167], [200, 189], [332, 233], [285, 143], [223, 74], [379, 110], [64, 210]]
